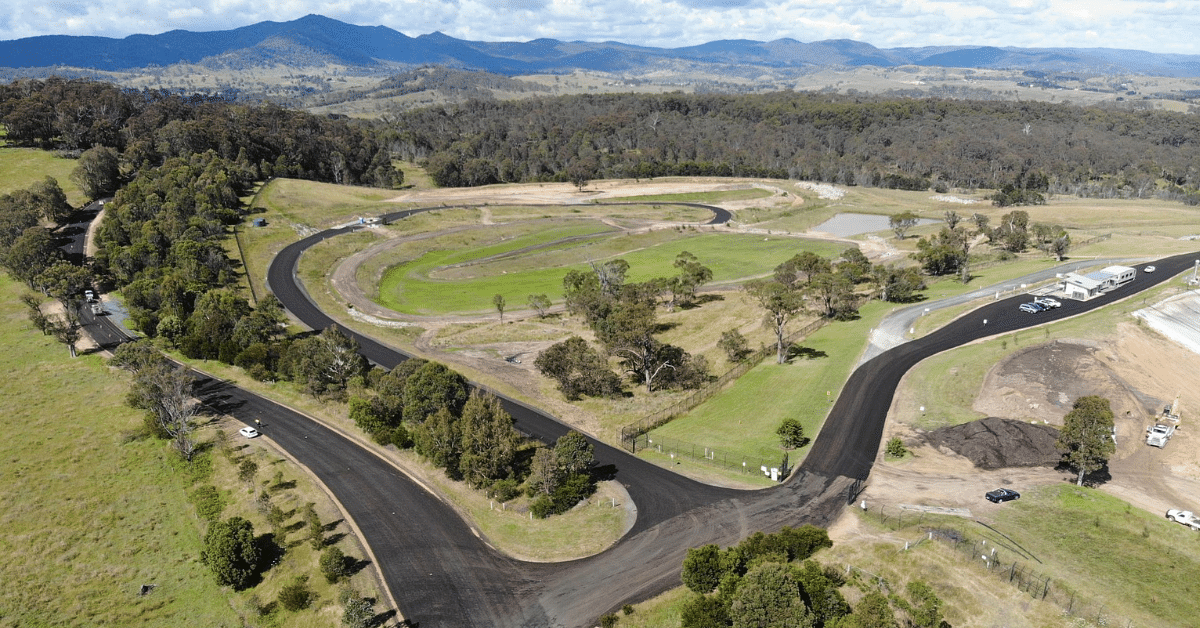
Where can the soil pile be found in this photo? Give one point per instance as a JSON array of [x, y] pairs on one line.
[[995, 443]]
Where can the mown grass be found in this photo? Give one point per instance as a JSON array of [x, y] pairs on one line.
[[420, 286], [22, 167], [743, 418], [87, 517]]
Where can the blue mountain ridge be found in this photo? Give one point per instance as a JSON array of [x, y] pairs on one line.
[[379, 46]]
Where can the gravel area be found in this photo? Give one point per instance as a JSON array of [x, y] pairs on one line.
[[1177, 318]]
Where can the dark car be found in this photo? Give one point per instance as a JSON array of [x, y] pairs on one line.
[[1002, 495]]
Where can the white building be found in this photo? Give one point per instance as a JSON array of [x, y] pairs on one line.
[[1084, 287], [1079, 287]]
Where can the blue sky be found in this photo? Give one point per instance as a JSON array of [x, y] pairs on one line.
[[1170, 26]]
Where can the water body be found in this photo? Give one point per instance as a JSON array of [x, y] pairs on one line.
[[846, 225]]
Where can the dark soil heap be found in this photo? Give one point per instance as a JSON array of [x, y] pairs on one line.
[[995, 443]]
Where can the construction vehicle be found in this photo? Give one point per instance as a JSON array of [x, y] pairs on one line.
[[1159, 435], [1164, 429]]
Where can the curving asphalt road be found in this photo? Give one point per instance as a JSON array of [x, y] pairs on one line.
[[442, 574], [673, 513]]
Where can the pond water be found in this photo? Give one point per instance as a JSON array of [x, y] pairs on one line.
[[846, 225]]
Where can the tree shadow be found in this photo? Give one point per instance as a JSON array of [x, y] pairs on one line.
[[1095, 479], [807, 353], [604, 472], [386, 616], [333, 539], [354, 565], [283, 486], [665, 327], [269, 555], [331, 526]]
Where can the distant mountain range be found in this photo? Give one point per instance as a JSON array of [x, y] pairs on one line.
[[315, 40]]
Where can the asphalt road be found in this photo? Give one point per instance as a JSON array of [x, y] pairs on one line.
[[673, 513], [442, 574]]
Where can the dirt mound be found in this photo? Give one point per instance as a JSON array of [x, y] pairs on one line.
[[995, 443]]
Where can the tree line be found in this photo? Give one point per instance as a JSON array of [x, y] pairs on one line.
[[846, 139], [770, 580], [147, 128]]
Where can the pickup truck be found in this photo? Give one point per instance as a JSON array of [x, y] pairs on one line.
[[1185, 517]]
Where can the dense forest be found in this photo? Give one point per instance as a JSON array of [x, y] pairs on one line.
[[851, 140], [149, 127]]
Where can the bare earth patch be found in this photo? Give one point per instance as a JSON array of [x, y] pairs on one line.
[[1138, 370]]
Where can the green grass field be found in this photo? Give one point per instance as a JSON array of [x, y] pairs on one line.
[[743, 419], [423, 285], [22, 167], [88, 518]]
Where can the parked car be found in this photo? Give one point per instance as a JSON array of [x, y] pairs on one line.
[[1047, 302], [1149, 269], [248, 432], [1002, 495], [1186, 517], [1032, 308]]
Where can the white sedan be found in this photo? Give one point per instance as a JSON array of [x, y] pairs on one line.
[[248, 432], [1148, 269]]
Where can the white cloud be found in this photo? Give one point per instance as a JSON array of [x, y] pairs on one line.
[[1155, 25]]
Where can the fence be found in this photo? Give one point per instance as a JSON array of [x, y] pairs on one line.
[[630, 433], [1003, 558], [680, 449]]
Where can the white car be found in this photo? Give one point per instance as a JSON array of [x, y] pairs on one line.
[[1148, 269], [1047, 302], [248, 432], [1186, 517]]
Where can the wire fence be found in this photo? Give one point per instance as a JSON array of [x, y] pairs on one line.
[[762, 463], [1000, 556], [630, 433]]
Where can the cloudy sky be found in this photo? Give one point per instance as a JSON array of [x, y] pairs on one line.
[[1170, 26]]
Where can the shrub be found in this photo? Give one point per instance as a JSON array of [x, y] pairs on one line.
[[608, 621], [895, 448], [542, 507], [209, 502], [357, 611], [791, 434], [231, 552], [333, 564], [247, 470], [506, 489], [296, 596]]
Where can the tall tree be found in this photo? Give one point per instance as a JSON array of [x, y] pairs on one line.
[[781, 304], [902, 222], [431, 387], [98, 172], [628, 332], [539, 302], [50, 200], [31, 254], [489, 442], [499, 303], [1086, 435], [768, 596], [164, 389]]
